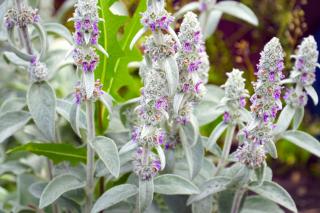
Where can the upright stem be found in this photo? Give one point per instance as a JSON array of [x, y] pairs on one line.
[[226, 148], [26, 41], [24, 31], [237, 200], [90, 156]]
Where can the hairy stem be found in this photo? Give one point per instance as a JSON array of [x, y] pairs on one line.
[[226, 148], [90, 155], [24, 31], [237, 200]]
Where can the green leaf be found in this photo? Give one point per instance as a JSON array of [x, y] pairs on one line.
[[303, 140], [170, 184], [212, 186], [257, 204], [275, 193], [298, 117], [146, 190], [56, 152], [162, 156], [207, 112], [172, 74], [260, 173], [212, 22], [238, 10], [113, 196], [108, 153], [271, 149], [57, 187], [191, 130], [64, 107], [194, 155], [313, 94], [284, 119], [23, 182], [216, 134], [41, 101], [74, 118], [12, 104], [203, 206], [225, 199], [114, 72], [58, 29], [107, 100], [12, 122]]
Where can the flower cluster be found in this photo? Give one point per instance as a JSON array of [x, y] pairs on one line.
[[156, 17], [86, 23], [265, 105], [303, 73], [295, 98], [80, 92], [86, 58], [266, 100], [146, 165], [38, 71], [251, 155], [86, 36], [306, 61], [156, 99], [22, 18], [235, 95], [152, 111], [160, 50], [193, 65]]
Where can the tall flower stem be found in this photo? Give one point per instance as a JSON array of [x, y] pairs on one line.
[[24, 31], [226, 147], [237, 200], [25, 41], [90, 155]]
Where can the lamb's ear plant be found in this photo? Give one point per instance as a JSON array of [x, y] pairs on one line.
[[160, 74], [87, 91], [211, 12], [164, 164]]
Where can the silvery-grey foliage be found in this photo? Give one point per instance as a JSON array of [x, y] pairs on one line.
[[163, 163]]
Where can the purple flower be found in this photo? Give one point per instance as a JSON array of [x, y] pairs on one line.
[[242, 101], [197, 37], [272, 76], [265, 117], [277, 93], [77, 25], [187, 46], [135, 134], [185, 87], [78, 37], [299, 64], [161, 138], [194, 66], [162, 103], [280, 65], [226, 117], [198, 88], [156, 165]]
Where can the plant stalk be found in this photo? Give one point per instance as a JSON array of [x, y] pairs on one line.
[[26, 41], [226, 148], [24, 31], [90, 155], [237, 200]]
